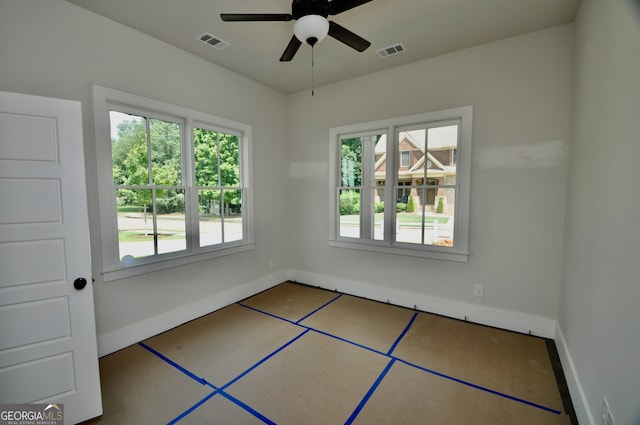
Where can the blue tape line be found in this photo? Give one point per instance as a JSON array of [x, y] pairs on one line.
[[192, 408], [395, 344], [373, 350], [243, 374], [548, 409], [318, 309], [478, 387], [172, 363], [369, 393], [247, 408], [268, 314]]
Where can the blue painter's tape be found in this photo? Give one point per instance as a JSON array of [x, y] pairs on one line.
[[192, 408], [237, 378], [395, 344], [319, 308], [478, 387], [348, 342], [172, 363], [247, 408], [268, 314], [389, 355], [369, 393]]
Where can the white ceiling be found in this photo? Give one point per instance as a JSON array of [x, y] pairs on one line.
[[427, 28]]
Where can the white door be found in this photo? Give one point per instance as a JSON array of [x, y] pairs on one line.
[[48, 350]]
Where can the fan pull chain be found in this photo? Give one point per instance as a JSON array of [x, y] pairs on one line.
[[312, 63]]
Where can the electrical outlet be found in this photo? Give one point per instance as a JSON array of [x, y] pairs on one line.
[[478, 290]]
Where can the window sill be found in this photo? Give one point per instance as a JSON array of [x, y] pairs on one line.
[[150, 267], [461, 257]]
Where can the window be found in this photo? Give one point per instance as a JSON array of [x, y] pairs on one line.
[[405, 158], [402, 185], [174, 185]]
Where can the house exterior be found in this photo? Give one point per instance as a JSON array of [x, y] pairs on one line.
[[427, 162]]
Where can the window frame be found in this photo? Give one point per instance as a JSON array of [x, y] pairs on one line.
[[390, 127], [105, 100]]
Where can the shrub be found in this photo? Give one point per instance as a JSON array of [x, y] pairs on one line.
[[410, 205], [170, 204], [440, 207], [349, 204], [401, 207], [379, 207]]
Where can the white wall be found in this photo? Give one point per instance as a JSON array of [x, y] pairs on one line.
[[53, 48], [521, 92], [599, 314], [520, 89]]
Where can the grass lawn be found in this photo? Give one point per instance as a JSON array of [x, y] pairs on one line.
[[401, 217]]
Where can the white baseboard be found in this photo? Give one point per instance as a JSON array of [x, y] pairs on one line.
[[503, 319], [124, 337], [578, 396]]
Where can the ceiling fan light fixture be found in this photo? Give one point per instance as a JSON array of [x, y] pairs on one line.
[[311, 29]]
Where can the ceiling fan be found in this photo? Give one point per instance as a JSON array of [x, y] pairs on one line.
[[311, 23]]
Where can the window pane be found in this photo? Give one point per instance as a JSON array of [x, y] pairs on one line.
[[351, 162], [411, 151], [229, 160], [166, 167], [232, 215], [409, 217], [439, 226], [135, 223], [442, 143], [427, 224], [172, 235], [206, 156], [210, 217], [349, 213], [129, 149]]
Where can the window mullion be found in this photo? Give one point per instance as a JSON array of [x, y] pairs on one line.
[[392, 182], [154, 220], [191, 204], [149, 164], [366, 189]]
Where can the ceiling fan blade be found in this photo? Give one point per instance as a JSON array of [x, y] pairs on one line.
[[255, 17], [339, 6], [291, 49], [342, 34]]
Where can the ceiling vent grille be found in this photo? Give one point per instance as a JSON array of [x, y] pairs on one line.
[[213, 41], [391, 50]]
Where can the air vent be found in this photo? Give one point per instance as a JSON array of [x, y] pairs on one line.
[[391, 50], [213, 41]]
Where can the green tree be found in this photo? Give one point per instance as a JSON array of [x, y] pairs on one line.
[[351, 154], [130, 159], [217, 165]]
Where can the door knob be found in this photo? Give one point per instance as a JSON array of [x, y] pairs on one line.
[[80, 283]]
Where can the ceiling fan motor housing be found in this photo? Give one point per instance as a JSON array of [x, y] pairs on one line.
[[300, 8]]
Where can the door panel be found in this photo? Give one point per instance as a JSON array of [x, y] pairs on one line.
[[48, 349], [37, 261]]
